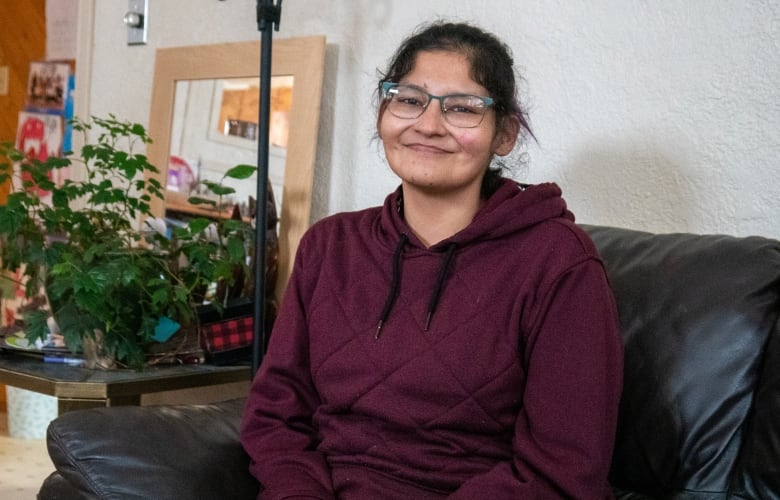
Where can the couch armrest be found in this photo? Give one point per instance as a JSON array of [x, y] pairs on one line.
[[187, 451], [700, 319]]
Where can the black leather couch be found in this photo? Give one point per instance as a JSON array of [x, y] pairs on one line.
[[699, 418]]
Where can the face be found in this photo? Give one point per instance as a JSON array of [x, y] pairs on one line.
[[428, 153]]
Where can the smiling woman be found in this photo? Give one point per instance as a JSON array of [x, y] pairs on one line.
[[441, 153], [466, 309]]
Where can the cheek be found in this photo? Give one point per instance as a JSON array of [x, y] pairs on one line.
[[474, 144], [390, 131], [384, 128], [379, 120]]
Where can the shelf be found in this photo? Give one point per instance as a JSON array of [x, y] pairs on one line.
[[177, 202]]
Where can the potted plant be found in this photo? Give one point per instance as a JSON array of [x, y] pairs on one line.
[[109, 279]]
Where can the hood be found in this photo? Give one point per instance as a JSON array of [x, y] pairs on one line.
[[511, 209]]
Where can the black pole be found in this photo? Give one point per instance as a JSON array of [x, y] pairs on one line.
[[268, 16]]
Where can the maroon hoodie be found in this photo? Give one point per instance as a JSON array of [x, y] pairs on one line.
[[496, 372]]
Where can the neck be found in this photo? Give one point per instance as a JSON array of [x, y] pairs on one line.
[[436, 218]]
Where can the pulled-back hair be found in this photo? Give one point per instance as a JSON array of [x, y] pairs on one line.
[[492, 66]]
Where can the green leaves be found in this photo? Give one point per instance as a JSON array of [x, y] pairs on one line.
[[217, 188], [81, 242], [236, 249], [94, 276], [197, 200], [197, 225], [240, 172]]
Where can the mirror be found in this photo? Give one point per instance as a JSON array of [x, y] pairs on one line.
[[203, 120], [215, 128]]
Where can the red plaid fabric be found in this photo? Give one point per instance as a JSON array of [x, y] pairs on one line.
[[229, 334]]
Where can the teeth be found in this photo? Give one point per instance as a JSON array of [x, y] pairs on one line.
[[34, 144]]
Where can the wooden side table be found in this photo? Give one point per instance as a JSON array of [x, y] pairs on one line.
[[78, 388]]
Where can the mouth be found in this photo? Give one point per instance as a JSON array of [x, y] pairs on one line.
[[426, 148]]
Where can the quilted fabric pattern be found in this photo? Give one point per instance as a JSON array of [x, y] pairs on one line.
[[524, 293], [472, 368]]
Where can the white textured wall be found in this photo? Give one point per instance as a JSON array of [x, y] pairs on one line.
[[661, 115]]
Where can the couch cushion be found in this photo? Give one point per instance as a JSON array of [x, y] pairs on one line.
[[165, 452], [697, 313]]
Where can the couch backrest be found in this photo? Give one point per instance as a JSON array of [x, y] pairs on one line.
[[700, 412]]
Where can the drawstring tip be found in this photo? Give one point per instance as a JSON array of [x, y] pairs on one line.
[[378, 329], [428, 320]]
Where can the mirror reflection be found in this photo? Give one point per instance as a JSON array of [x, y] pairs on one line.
[[300, 59], [214, 128]]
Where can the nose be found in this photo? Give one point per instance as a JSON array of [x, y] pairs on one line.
[[431, 121]]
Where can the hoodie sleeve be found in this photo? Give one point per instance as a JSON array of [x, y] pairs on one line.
[[277, 430], [564, 433]]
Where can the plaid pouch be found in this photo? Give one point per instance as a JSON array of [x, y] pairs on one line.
[[228, 334], [227, 337]]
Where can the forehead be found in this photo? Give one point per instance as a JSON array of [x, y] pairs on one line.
[[442, 71]]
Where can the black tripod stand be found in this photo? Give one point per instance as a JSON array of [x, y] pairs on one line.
[[268, 16]]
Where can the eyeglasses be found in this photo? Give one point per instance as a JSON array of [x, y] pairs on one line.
[[459, 110]]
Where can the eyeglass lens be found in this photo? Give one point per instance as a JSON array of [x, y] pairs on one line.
[[464, 111]]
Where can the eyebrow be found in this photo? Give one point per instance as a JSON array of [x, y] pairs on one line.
[[427, 91]]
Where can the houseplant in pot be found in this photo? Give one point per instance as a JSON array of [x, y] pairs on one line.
[[109, 280]]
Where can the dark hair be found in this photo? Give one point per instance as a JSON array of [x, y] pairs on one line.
[[491, 63]]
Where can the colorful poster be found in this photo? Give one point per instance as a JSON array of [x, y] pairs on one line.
[[39, 136]]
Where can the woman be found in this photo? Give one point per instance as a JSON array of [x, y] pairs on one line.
[[460, 341]]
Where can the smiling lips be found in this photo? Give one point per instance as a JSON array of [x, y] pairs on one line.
[[426, 148]]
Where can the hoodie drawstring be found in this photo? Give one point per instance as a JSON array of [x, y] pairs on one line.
[[395, 285], [396, 282], [439, 284]]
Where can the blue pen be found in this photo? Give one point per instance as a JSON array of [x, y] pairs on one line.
[[62, 360]]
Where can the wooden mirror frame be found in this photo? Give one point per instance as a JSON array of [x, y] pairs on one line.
[[304, 59]]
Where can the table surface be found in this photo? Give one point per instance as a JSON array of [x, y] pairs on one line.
[[64, 381]]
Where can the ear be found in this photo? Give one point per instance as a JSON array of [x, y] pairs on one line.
[[506, 136]]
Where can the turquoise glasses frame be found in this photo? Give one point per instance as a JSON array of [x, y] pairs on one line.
[[388, 86]]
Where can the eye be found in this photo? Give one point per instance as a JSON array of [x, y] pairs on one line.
[[460, 108], [409, 98], [411, 101], [465, 105]]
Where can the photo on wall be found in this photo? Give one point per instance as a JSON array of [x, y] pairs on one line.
[[48, 85]]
